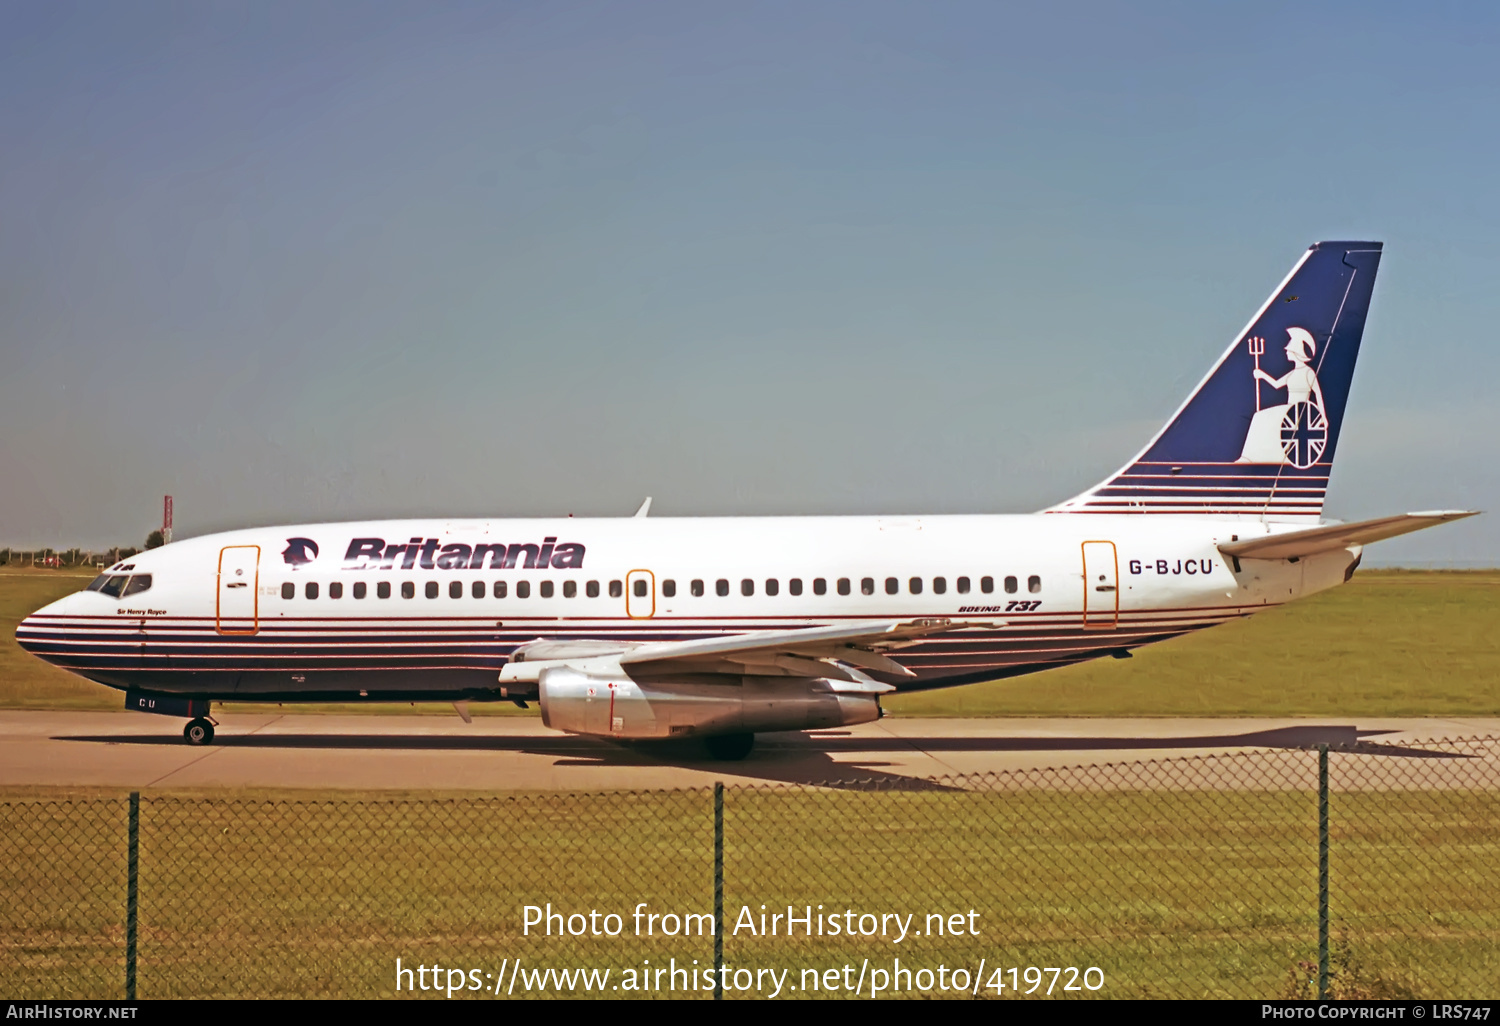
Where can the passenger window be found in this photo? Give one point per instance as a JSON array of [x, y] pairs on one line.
[[408, 589], [570, 589], [696, 588], [669, 588], [843, 585], [794, 586], [310, 589], [639, 587], [360, 589], [867, 586], [986, 584], [616, 589], [721, 587], [591, 589], [962, 585], [820, 586], [915, 584], [546, 589], [455, 589], [1010, 586], [335, 590], [892, 586], [747, 587], [288, 590], [142, 582], [939, 585], [431, 590], [500, 589], [772, 586], [523, 589], [477, 589], [383, 589], [1033, 584]]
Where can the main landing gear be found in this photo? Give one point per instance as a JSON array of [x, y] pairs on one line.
[[729, 747], [199, 731]]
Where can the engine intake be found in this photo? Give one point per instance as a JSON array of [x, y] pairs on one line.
[[619, 707]]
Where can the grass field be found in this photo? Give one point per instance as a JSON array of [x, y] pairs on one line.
[[1170, 893], [1389, 643]]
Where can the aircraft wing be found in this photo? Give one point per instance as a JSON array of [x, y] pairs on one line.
[[1295, 544], [807, 652], [838, 653]]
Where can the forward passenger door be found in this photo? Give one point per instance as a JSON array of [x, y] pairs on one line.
[[238, 605]]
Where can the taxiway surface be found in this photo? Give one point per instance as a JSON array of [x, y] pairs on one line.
[[278, 750]]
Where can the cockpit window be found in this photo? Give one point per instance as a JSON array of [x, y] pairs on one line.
[[119, 585]]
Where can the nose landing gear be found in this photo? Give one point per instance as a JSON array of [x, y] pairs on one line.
[[199, 731]]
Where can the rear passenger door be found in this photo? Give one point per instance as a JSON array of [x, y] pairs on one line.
[[1101, 586]]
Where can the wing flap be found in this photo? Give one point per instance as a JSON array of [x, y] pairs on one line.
[[839, 652], [1296, 544], [859, 645]]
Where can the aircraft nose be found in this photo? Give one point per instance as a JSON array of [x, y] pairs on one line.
[[26, 634], [31, 632]]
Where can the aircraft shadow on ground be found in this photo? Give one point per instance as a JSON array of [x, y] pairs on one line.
[[799, 764], [788, 757]]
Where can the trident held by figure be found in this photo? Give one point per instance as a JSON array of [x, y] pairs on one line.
[[1257, 350]]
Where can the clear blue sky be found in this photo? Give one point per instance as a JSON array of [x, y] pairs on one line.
[[309, 261]]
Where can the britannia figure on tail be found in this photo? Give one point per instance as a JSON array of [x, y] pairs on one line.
[[1294, 432]]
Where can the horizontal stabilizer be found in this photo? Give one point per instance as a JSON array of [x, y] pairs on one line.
[[1295, 544]]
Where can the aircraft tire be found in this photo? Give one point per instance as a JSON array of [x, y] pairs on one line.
[[729, 747], [199, 732]]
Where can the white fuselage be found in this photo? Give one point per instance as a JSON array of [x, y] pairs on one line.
[[435, 609]]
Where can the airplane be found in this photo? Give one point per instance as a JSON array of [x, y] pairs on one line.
[[723, 627]]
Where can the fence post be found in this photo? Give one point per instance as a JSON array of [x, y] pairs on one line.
[[132, 867], [1322, 872], [719, 890]]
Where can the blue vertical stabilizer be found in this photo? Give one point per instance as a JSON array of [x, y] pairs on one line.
[[1257, 436]]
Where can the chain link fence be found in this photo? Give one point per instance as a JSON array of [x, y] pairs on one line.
[[1371, 871]]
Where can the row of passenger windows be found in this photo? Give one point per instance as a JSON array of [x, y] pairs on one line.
[[641, 588]]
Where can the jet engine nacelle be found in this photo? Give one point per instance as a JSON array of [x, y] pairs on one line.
[[580, 703]]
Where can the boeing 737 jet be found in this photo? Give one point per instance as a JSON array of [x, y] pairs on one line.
[[646, 627]]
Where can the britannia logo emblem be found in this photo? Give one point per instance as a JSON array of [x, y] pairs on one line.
[[299, 552], [1294, 432]]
